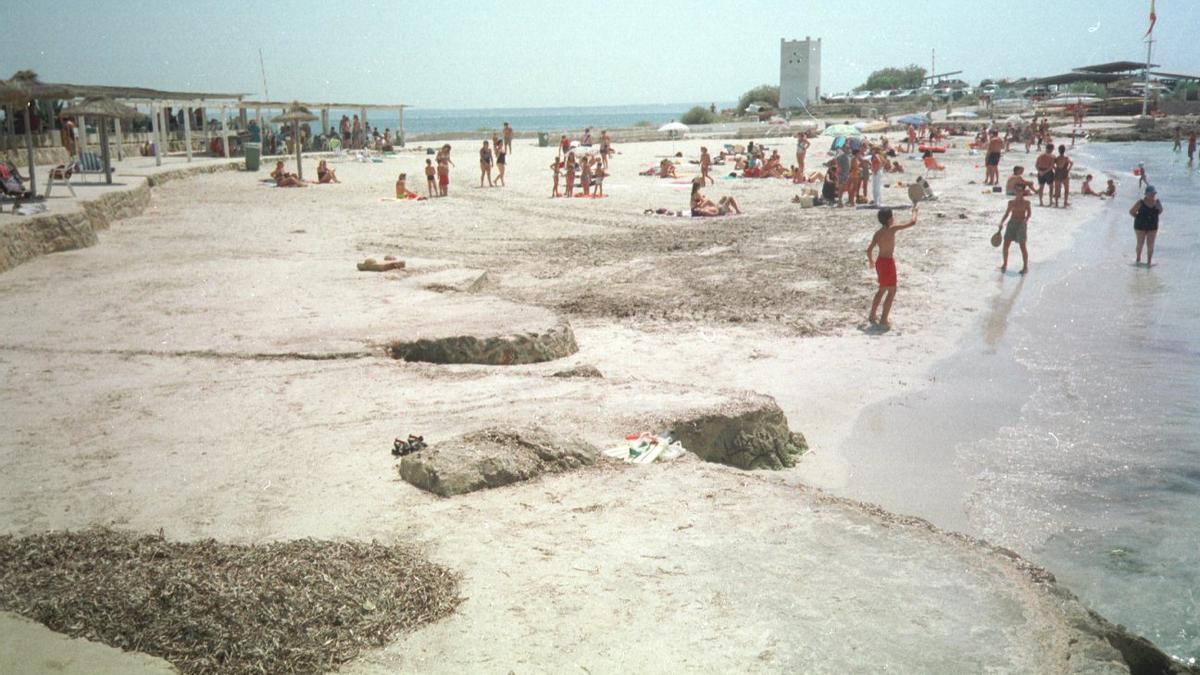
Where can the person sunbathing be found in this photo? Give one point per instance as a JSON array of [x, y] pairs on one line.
[[703, 207], [402, 191], [285, 179], [326, 174], [666, 169]]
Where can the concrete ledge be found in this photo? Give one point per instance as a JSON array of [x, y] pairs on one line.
[[28, 238]]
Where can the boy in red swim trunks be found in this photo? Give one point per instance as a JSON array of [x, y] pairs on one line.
[[885, 264]]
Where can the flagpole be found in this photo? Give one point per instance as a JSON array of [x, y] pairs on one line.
[[1146, 78], [1146, 71]]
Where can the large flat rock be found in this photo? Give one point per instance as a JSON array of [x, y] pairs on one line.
[[494, 457]]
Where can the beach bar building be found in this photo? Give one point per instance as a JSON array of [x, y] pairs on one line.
[[799, 72]]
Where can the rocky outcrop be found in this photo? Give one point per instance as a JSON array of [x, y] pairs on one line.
[[499, 350], [580, 371], [457, 281], [749, 433], [493, 457]]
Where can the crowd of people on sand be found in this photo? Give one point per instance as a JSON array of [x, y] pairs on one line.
[[576, 164], [851, 176]]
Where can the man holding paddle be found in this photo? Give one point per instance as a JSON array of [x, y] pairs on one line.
[[1017, 214]]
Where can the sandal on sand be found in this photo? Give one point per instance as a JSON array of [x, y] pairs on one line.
[[413, 444]]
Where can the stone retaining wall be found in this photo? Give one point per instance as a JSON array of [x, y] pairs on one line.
[[28, 238]]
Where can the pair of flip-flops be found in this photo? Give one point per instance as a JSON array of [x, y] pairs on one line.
[[400, 447]]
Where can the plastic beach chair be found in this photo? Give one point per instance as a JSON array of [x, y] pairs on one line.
[[61, 174]]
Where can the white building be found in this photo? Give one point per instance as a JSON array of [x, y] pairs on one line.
[[799, 72]]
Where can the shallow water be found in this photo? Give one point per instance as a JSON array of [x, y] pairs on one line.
[[1068, 426]]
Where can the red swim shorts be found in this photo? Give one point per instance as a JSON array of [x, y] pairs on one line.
[[444, 179], [885, 269]]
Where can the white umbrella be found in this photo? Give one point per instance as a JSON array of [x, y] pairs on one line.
[[673, 128], [1014, 119], [962, 114]]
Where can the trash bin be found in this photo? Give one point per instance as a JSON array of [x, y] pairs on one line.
[[543, 139], [253, 154]]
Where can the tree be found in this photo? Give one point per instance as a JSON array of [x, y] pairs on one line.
[[908, 77], [763, 92], [1087, 87], [698, 115]]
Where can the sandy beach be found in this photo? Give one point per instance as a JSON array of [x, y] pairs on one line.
[[224, 374]]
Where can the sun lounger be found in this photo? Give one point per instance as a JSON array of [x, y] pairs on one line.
[[90, 164]]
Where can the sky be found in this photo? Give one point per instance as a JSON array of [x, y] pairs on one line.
[[518, 53]]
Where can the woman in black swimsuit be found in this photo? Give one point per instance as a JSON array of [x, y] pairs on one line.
[[1145, 214], [485, 164], [501, 153]]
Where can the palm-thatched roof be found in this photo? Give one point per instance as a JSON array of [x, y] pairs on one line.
[[101, 107], [24, 86], [296, 113]]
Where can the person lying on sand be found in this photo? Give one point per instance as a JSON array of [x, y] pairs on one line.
[[666, 169], [930, 163], [702, 207], [326, 174]]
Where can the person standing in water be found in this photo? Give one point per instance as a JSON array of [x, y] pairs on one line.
[[1062, 177], [1145, 214]]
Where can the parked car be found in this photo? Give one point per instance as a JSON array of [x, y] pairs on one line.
[[861, 95], [904, 93], [1035, 93]]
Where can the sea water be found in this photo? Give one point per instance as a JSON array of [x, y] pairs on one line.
[[434, 120], [1068, 426]]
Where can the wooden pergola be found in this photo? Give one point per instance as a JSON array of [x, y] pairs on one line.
[[159, 101]]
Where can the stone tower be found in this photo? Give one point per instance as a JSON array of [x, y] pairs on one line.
[[799, 72]]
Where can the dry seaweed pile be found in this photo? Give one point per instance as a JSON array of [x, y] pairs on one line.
[[297, 606]]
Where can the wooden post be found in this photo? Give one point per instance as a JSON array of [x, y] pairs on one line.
[[29, 152], [154, 127], [296, 142], [104, 156], [120, 139], [400, 131], [225, 132], [324, 121], [187, 131]]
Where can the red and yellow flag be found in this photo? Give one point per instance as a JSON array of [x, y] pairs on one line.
[[1153, 18]]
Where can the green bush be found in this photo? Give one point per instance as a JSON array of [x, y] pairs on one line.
[[763, 92], [1092, 88], [908, 77], [698, 115]]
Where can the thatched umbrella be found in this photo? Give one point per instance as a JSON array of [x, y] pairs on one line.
[[103, 108], [296, 114], [23, 88]]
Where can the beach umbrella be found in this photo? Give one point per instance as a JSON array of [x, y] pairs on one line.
[[841, 130], [962, 114], [104, 108], [295, 115], [22, 89], [915, 120], [673, 128]]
